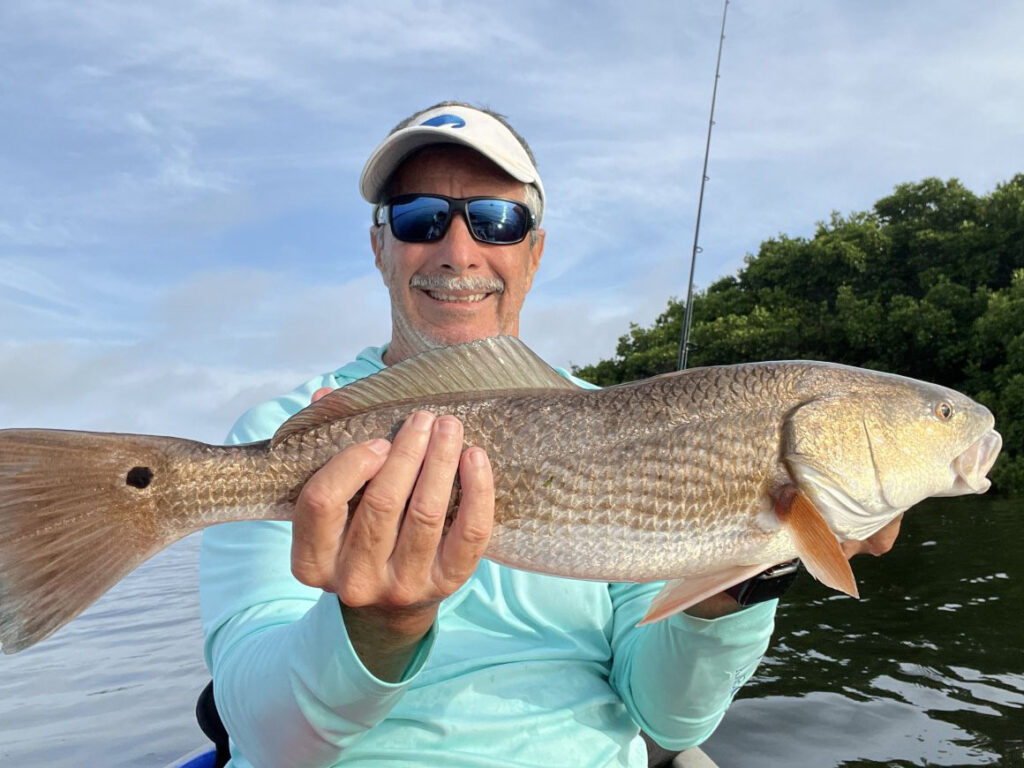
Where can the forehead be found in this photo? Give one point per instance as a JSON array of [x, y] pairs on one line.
[[452, 170]]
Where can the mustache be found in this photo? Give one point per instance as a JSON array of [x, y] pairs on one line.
[[454, 283]]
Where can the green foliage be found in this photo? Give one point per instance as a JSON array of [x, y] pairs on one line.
[[929, 284], [642, 352]]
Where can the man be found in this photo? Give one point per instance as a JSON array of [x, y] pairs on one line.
[[384, 639]]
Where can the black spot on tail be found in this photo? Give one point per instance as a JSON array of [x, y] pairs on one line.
[[139, 477]]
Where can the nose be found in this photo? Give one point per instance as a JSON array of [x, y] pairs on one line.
[[457, 250]]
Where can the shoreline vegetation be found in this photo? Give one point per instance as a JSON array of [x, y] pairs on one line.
[[928, 284]]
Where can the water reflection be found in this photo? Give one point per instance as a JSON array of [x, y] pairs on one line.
[[926, 669]]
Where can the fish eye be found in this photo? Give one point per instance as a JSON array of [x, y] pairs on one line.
[[944, 411]]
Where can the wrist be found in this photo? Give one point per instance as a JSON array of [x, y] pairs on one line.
[[390, 627], [714, 607], [771, 583], [387, 640]]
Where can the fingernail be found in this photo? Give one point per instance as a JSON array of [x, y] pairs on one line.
[[478, 457], [448, 425], [379, 446], [423, 420]]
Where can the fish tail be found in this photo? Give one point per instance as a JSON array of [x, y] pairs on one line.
[[77, 513]]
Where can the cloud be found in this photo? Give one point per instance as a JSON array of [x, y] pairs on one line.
[[242, 315], [35, 232], [209, 349], [111, 389]]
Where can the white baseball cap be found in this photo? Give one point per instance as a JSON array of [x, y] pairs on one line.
[[449, 125]]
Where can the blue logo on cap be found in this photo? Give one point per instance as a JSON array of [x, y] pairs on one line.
[[453, 120]]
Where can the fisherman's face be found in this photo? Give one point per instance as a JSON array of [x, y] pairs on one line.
[[489, 282]]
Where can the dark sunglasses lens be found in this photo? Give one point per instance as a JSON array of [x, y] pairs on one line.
[[498, 221], [420, 220]]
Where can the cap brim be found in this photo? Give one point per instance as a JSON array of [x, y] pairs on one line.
[[392, 152]]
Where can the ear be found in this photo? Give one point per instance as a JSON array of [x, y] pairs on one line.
[[536, 251], [377, 244]]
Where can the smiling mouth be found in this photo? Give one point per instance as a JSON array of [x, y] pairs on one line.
[[464, 298], [457, 289]]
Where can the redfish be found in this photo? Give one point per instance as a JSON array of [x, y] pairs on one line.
[[700, 478]]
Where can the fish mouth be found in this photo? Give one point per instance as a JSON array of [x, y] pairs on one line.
[[971, 466]]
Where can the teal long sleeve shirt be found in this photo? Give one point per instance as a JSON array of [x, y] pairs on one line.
[[519, 669]]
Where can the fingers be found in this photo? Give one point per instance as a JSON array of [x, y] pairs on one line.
[[322, 509], [372, 533], [392, 552], [878, 543], [467, 539], [883, 541], [424, 519]]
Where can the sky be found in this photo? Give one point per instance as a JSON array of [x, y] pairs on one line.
[[181, 234]]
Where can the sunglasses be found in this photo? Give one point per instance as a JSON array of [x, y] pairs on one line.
[[426, 218]]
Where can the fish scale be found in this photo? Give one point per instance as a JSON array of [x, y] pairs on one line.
[[550, 481]]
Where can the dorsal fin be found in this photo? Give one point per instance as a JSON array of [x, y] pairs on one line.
[[498, 363]]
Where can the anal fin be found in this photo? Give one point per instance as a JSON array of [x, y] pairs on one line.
[[679, 594], [816, 545]]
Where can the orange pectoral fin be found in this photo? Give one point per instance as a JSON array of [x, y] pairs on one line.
[[816, 545]]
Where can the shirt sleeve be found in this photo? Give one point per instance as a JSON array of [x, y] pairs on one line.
[[677, 677], [289, 687]]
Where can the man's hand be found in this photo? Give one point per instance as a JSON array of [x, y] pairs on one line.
[[389, 564], [877, 544]]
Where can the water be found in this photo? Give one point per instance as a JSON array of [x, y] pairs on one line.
[[118, 685], [926, 669]]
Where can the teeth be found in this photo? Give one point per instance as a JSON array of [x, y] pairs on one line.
[[448, 297]]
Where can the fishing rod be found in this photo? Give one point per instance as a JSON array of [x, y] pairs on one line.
[[684, 342]]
